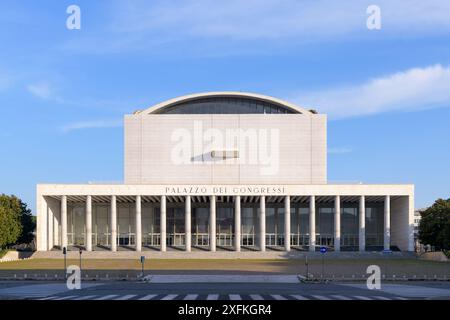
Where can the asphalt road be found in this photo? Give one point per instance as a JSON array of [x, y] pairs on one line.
[[127, 290]]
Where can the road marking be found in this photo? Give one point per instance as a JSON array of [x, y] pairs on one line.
[[110, 296], [341, 297], [84, 297], [126, 297], [169, 297], [278, 297], [148, 297], [407, 290], [363, 298], [321, 298], [191, 297], [48, 298], [212, 297], [256, 297], [401, 298], [382, 298], [298, 297], [64, 298], [235, 297]]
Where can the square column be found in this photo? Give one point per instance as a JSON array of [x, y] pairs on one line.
[[187, 222], [113, 223], [262, 223], [138, 224], [287, 223], [50, 232], [362, 223], [337, 223], [387, 223], [89, 223], [63, 222], [312, 223], [162, 240], [212, 224], [237, 223], [56, 233]]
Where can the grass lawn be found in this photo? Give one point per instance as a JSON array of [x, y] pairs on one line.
[[253, 265]]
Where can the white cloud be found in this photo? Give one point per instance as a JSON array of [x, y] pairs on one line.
[[103, 123], [339, 150], [413, 89], [242, 25], [40, 90], [256, 19]]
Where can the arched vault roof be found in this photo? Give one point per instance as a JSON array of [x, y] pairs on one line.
[[159, 108]]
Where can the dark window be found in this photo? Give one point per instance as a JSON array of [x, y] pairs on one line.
[[228, 105]]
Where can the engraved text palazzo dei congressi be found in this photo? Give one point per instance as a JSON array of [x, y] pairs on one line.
[[225, 190]]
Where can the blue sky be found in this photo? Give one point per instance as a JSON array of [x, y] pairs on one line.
[[63, 92]]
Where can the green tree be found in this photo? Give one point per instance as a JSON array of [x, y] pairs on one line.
[[434, 227], [16, 222], [28, 222], [10, 227]]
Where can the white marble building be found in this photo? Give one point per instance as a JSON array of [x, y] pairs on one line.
[[225, 171]]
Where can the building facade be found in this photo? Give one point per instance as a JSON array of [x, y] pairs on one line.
[[225, 171]]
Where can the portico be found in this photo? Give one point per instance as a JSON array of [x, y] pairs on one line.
[[224, 221]]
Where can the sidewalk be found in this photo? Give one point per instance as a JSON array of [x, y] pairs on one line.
[[206, 278]]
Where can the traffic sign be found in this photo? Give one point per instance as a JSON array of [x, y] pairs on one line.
[[323, 249]]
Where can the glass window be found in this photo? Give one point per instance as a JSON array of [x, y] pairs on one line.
[[229, 105], [225, 220]]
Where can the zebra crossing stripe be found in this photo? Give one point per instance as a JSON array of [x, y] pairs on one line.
[[278, 297], [382, 298], [191, 297], [126, 297], [298, 297], [256, 297], [148, 297], [212, 297], [64, 298], [321, 298], [169, 297], [235, 297], [110, 296], [48, 298], [363, 298], [339, 297], [84, 297]]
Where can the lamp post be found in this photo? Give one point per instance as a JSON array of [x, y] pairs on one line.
[[64, 251], [323, 250], [307, 268], [142, 265], [80, 251]]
